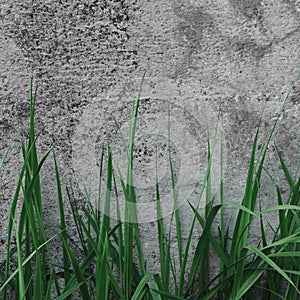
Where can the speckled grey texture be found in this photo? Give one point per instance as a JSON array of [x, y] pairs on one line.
[[89, 56]]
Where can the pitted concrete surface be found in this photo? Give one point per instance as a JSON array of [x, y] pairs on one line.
[[88, 58]]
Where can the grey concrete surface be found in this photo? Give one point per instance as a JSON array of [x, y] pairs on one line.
[[88, 58]]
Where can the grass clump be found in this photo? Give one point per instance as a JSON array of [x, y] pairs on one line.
[[108, 270]]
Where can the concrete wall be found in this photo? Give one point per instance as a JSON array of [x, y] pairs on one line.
[[88, 58]]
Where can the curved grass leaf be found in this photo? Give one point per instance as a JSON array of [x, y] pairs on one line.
[[273, 265]]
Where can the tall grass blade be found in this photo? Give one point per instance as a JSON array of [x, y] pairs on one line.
[[273, 265], [21, 283], [202, 246], [25, 261], [142, 288], [63, 225], [153, 286], [284, 168]]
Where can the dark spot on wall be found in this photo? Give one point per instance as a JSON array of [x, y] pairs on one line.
[[248, 50], [193, 26], [248, 8]]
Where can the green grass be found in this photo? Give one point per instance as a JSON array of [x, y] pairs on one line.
[[106, 268]]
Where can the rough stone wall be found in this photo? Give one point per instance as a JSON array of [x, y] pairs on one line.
[[88, 58]]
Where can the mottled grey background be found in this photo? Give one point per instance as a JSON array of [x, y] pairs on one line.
[[88, 59]]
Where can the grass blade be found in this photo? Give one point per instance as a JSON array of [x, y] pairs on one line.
[[142, 288], [78, 272], [273, 265], [62, 222]]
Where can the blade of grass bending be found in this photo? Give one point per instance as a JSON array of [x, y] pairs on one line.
[[247, 284], [285, 254], [153, 286], [273, 265], [167, 295], [292, 238], [242, 208], [292, 272], [142, 288], [281, 207], [2, 287]]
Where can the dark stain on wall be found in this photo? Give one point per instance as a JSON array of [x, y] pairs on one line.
[[195, 24], [248, 8], [77, 50]]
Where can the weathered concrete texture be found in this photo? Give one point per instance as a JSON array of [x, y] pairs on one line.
[[89, 58]]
